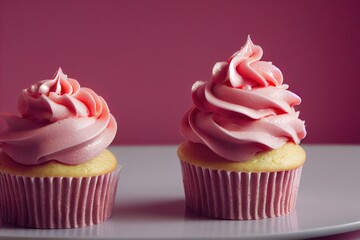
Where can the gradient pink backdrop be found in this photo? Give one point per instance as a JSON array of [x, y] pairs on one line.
[[143, 56]]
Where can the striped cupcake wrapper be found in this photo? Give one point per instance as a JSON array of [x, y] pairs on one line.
[[57, 202], [239, 195]]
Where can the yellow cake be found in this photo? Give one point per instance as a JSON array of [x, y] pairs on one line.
[[290, 156], [102, 164]]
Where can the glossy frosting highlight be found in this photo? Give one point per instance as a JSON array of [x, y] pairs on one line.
[[244, 109], [59, 120]]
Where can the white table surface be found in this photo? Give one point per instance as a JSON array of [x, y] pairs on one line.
[[150, 201]]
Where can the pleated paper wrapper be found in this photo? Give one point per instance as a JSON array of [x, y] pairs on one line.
[[239, 195], [57, 202]]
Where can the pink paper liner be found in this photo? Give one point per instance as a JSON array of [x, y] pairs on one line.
[[239, 195], [57, 202]]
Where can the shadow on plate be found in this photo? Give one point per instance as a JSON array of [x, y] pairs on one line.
[[173, 209]]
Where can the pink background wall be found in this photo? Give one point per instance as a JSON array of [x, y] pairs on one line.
[[143, 56]]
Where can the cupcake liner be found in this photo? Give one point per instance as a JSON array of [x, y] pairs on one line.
[[239, 195], [57, 202]]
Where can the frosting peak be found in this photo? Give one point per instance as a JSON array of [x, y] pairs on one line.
[[246, 71], [244, 109], [58, 98], [58, 85], [59, 120]]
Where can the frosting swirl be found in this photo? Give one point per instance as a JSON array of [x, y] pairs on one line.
[[59, 120], [244, 109]]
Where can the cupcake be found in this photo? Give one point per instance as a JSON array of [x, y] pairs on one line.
[[241, 158], [55, 170]]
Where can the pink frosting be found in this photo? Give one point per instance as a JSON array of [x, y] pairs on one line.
[[244, 109], [59, 121]]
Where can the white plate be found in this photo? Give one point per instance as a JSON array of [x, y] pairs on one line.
[[150, 201]]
